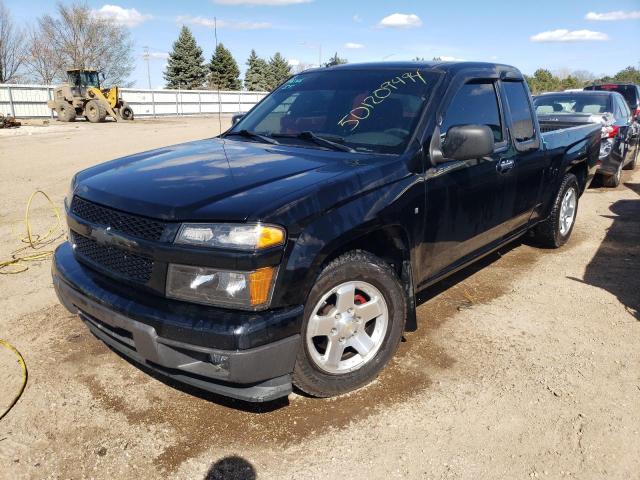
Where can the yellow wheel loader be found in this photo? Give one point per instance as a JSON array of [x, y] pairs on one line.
[[82, 95]]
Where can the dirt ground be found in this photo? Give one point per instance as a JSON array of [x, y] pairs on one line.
[[526, 365]]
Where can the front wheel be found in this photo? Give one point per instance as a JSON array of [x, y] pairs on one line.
[[353, 322], [95, 111], [556, 229]]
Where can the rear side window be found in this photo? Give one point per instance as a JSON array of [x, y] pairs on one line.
[[626, 112], [477, 104], [518, 101], [617, 110]]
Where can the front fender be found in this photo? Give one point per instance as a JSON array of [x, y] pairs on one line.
[[392, 206]]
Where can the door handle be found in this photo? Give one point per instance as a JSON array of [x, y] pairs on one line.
[[505, 164]]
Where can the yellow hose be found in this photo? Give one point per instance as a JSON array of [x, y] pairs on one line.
[[24, 375], [34, 242]]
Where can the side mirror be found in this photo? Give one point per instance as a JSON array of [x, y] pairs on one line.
[[236, 118], [465, 142]]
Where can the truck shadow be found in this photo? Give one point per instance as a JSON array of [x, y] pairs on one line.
[[616, 265]]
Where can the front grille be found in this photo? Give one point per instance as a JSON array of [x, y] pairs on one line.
[[125, 264], [118, 221]]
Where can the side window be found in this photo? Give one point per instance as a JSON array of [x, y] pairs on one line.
[[626, 112], [621, 111], [616, 108], [474, 103], [521, 118]]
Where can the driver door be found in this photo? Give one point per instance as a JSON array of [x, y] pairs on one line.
[[468, 206]]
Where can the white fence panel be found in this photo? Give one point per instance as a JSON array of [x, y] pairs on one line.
[[30, 101]]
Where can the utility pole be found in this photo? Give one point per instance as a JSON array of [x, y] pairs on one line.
[[215, 36], [146, 57]]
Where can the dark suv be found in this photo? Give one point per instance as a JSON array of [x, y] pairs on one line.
[[629, 91]]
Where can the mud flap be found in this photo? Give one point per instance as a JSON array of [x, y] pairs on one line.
[[411, 323]]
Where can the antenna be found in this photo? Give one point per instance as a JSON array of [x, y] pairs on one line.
[[215, 34]]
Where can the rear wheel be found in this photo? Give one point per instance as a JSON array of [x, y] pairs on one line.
[[66, 112], [95, 112], [354, 319], [556, 229], [612, 181], [632, 164], [126, 112]]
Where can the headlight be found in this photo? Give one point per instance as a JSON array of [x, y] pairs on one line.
[[245, 290], [235, 236]]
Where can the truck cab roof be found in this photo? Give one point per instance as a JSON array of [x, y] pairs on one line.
[[493, 69]]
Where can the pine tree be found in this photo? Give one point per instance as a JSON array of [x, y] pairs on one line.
[[335, 60], [256, 78], [570, 82], [224, 73], [185, 67], [279, 71]]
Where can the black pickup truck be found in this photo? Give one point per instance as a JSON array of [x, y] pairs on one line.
[[289, 250]]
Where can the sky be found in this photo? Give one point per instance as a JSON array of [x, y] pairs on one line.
[[560, 35]]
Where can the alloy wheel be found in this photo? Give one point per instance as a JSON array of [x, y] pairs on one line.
[[347, 327]]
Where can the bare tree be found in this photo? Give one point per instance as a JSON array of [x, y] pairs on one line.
[[11, 46], [77, 38], [41, 59]]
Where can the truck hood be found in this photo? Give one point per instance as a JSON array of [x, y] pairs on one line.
[[210, 180]]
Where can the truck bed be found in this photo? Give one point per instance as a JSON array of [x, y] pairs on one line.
[[562, 139]]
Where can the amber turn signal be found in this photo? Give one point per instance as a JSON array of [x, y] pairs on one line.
[[260, 285], [269, 237]]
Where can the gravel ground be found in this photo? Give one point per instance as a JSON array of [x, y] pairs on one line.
[[525, 365]]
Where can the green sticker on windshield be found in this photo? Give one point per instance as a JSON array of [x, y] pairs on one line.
[[378, 96]]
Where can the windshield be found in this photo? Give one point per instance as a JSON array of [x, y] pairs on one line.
[[366, 110], [569, 104], [84, 79], [90, 79]]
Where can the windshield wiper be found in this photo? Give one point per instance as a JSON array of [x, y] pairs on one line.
[[320, 140], [248, 134]]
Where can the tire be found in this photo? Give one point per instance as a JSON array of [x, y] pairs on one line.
[[126, 112], [94, 111], [371, 303], [555, 231], [612, 181], [632, 164], [66, 112]]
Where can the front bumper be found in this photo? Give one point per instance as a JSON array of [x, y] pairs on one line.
[[172, 340]]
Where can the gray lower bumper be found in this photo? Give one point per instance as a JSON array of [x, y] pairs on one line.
[[238, 374]]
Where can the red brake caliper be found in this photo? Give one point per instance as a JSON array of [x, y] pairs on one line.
[[359, 299]]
